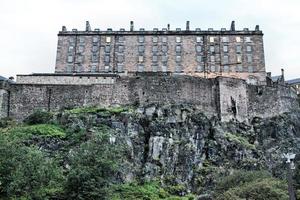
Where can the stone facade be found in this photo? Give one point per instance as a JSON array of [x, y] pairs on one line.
[[229, 53]]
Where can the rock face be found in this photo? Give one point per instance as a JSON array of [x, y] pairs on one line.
[[179, 143]]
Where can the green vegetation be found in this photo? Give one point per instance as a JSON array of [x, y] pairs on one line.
[[39, 117], [239, 140], [47, 130]]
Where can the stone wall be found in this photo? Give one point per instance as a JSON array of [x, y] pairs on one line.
[[226, 98], [3, 103]]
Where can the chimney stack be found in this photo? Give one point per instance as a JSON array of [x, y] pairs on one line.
[[168, 27], [64, 29], [257, 28], [87, 26], [131, 26], [232, 28], [187, 25]]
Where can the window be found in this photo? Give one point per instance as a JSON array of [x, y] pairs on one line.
[[154, 68], [79, 59], [178, 69], [108, 39], [141, 39], [164, 58], [225, 49], [238, 48], [93, 68], [94, 58], [81, 49], [198, 48], [120, 49], [226, 68], [249, 58], [238, 39], [238, 58], [226, 59], [199, 39], [154, 58], [178, 39], [106, 58], [81, 39], [199, 58], [71, 48], [211, 39], [106, 68], [69, 68], [212, 68], [248, 48], [248, 39], [178, 58], [107, 49], [239, 68], [71, 39], [164, 68], [121, 39], [178, 48], [70, 59], [95, 39], [212, 58], [164, 48], [212, 49], [225, 39], [155, 48], [94, 48], [141, 59], [140, 68], [120, 58], [155, 39], [250, 69], [79, 68], [164, 39], [199, 68], [141, 49], [120, 68]]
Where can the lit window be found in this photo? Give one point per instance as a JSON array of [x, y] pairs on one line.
[[107, 49], [141, 39], [249, 49], [178, 49], [211, 39], [248, 39], [141, 49], [212, 49], [212, 58], [94, 48], [225, 39], [164, 39], [238, 39], [198, 49], [226, 59], [199, 39], [154, 58], [225, 49], [106, 58], [178, 39], [249, 58], [238, 48], [80, 49], [71, 48], [121, 49], [178, 58], [155, 48], [95, 39], [155, 39], [70, 59], [108, 39], [238, 58], [164, 48], [199, 58], [141, 59]]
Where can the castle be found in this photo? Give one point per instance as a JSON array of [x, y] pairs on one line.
[[221, 72]]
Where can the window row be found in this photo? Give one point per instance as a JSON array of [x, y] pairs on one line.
[[226, 69]]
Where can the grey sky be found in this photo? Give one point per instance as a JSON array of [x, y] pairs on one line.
[[28, 28]]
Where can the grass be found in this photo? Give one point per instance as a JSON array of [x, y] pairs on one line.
[[47, 130], [239, 140]]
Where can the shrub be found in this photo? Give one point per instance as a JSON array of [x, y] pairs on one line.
[[39, 117], [47, 130]]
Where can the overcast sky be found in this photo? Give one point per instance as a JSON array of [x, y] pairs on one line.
[[28, 28]]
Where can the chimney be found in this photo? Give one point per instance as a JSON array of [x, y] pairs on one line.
[[64, 29], [168, 27], [282, 74], [257, 28], [232, 28], [87, 26], [131, 26], [187, 25]]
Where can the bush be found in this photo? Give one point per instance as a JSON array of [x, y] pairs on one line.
[[47, 130], [39, 117]]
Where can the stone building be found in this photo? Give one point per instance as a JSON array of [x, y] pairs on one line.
[[204, 53]]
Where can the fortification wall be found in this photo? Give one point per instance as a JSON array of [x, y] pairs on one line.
[[3, 103]]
